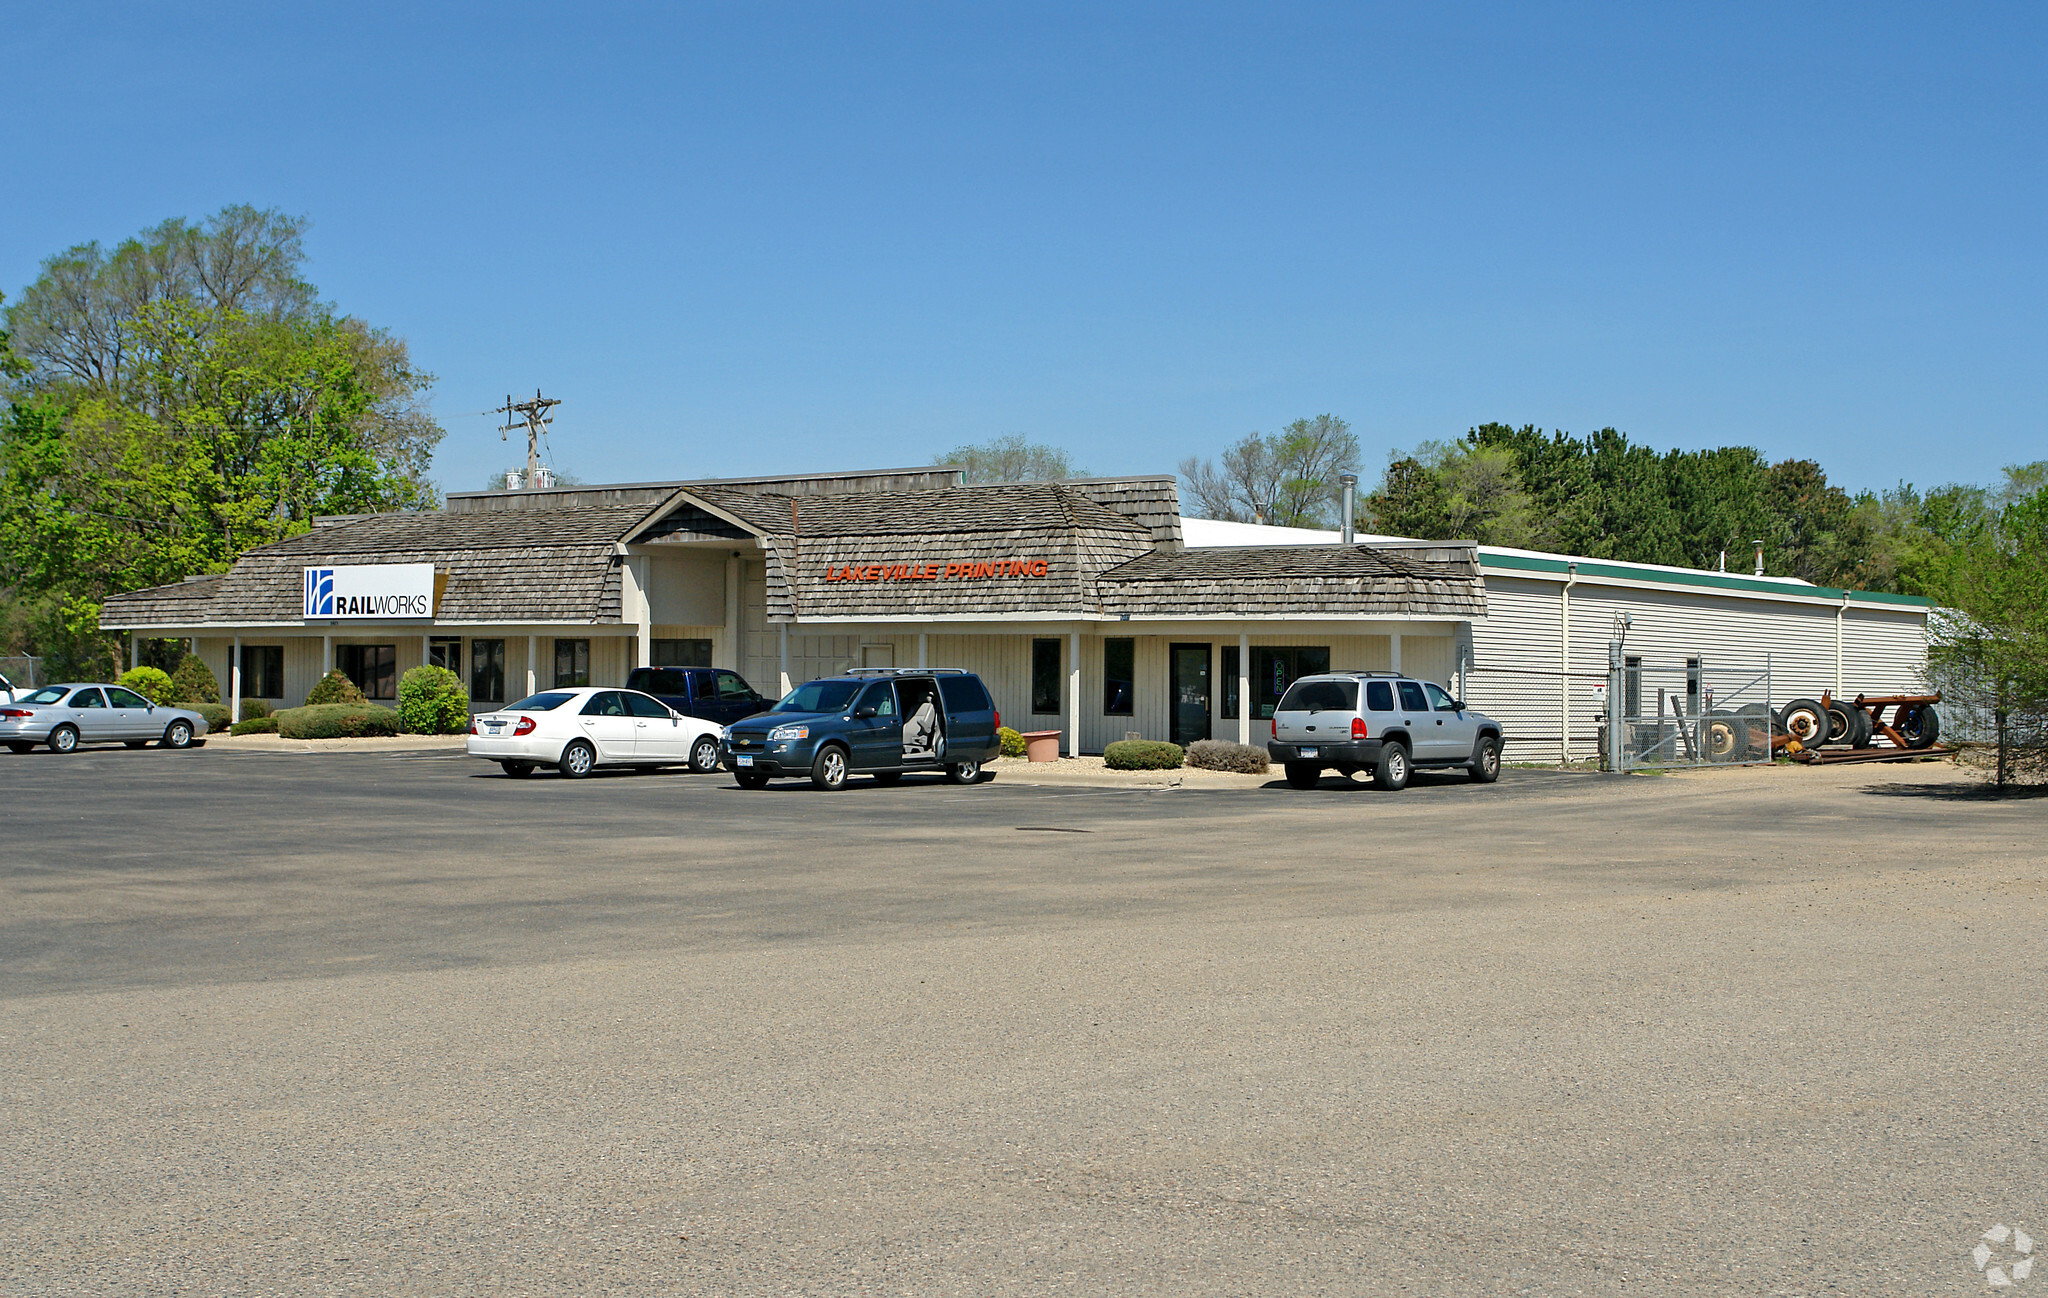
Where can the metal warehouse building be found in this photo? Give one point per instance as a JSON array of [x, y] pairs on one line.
[[1089, 607]]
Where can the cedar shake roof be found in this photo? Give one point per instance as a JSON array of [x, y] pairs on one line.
[[1309, 580]]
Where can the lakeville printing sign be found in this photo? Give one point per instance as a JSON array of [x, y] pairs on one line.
[[370, 592], [981, 571]]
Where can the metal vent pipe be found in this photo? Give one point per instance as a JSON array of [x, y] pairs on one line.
[[1350, 481]]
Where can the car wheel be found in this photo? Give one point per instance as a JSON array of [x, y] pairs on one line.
[[1840, 727], [178, 734], [1724, 738], [964, 772], [829, 771], [20, 746], [1919, 725], [1486, 762], [63, 739], [1303, 775], [578, 760], [751, 779], [1392, 772], [517, 770], [1806, 721], [886, 778], [704, 756]]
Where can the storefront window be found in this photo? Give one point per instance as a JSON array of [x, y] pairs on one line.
[[1119, 659], [679, 653], [487, 671], [373, 667], [1274, 669], [572, 663], [1045, 676], [1229, 711], [262, 671]]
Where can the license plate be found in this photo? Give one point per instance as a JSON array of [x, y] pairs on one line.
[[492, 728], [743, 761], [1309, 752]]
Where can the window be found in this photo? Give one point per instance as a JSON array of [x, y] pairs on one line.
[[121, 698], [487, 670], [964, 694], [1119, 657], [1438, 698], [881, 696], [1692, 687], [445, 653], [1229, 682], [679, 653], [373, 667], [660, 680], [262, 671], [605, 703], [1045, 676], [1321, 696], [540, 702], [572, 663], [1379, 696], [1274, 669], [642, 706], [88, 699], [1412, 697], [731, 689], [1632, 686]]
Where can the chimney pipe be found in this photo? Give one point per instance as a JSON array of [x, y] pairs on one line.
[[1724, 561], [1350, 481], [1759, 557]]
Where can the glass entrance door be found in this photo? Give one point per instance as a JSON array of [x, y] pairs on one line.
[[1188, 687]]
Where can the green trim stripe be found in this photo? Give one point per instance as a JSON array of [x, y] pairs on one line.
[[1710, 580]]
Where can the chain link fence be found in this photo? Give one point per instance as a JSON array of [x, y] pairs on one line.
[[1692, 711]]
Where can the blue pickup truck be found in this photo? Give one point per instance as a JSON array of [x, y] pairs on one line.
[[712, 693]]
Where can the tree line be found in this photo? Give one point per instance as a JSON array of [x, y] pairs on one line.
[[168, 403]]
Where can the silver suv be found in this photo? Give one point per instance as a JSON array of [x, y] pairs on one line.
[[1379, 721]]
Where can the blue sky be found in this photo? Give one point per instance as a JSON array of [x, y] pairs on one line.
[[752, 238]]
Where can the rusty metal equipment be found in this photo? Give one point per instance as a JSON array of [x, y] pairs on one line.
[[1911, 733]]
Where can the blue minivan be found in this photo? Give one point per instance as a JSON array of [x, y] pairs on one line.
[[879, 721]]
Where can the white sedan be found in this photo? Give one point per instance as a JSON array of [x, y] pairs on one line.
[[578, 730]]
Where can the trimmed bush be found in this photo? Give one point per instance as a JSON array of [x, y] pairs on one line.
[[334, 687], [431, 701], [336, 721], [1142, 755], [193, 682], [216, 715], [254, 726], [150, 682], [1223, 755], [1011, 740]]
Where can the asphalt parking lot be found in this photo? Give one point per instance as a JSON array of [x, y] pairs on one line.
[[391, 1023]]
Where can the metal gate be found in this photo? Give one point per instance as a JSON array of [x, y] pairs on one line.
[[1688, 711]]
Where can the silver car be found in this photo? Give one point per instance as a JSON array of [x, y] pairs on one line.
[[1381, 722], [65, 716]]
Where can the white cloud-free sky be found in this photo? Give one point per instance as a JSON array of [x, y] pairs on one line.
[[762, 238]]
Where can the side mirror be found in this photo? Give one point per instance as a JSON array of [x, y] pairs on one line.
[[865, 711]]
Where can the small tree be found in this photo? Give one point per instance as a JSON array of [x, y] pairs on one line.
[[334, 687], [431, 701], [152, 683], [193, 682], [1991, 657], [1288, 478]]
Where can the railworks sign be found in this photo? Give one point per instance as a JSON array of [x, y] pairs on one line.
[[382, 592], [972, 571]]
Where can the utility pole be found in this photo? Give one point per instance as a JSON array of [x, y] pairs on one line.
[[534, 418]]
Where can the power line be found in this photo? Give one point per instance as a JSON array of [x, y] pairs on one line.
[[534, 417]]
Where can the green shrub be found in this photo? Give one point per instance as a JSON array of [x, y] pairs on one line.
[[151, 683], [334, 687], [1223, 755], [431, 701], [193, 682], [1012, 741], [254, 726], [336, 721], [216, 715], [1142, 755], [255, 708]]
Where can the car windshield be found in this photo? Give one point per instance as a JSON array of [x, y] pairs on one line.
[[546, 702], [818, 696], [49, 694]]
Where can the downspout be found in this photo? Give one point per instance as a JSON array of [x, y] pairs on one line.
[[1564, 659], [1841, 616]]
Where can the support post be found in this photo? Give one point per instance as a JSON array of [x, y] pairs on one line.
[[1396, 645], [235, 682], [735, 648], [643, 613], [532, 664], [1615, 687], [134, 651], [923, 648], [326, 654], [426, 648], [1073, 694], [1244, 688], [782, 648]]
